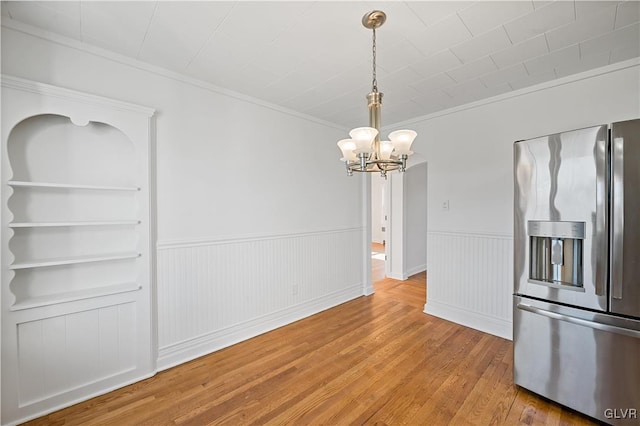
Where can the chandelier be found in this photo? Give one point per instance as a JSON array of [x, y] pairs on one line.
[[364, 151]]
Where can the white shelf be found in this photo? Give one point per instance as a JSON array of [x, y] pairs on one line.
[[16, 183], [71, 296], [70, 224], [72, 260]]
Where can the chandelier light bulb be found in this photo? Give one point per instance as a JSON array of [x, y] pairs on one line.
[[386, 147], [348, 147], [402, 140], [363, 138]]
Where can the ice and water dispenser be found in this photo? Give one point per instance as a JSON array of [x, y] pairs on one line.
[[556, 253]]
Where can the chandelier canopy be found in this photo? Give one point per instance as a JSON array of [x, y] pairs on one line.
[[364, 151]]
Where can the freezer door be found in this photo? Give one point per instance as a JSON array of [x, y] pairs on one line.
[[560, 218], [585, 360], [625, 218]]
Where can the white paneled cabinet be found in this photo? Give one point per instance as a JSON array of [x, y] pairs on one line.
[[77, 247]]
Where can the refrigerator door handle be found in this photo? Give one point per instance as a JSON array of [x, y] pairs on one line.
[[602, 218], [579, 321], [617, 216]]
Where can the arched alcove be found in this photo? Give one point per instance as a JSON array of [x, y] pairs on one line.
[[50, 148], [74, 210]]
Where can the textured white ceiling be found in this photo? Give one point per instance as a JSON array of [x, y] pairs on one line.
[[315, 57]]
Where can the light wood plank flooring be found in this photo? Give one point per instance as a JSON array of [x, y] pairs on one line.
[[377, 262], [374, 360]]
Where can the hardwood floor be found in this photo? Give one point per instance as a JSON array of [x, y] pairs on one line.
[[377, 262], [374, 360]]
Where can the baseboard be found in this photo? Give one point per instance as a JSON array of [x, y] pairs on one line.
[[188, 350], [416, 270], [403, 276], [477, 321], [396, 276], [83, 398]]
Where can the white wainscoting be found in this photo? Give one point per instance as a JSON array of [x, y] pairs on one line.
[[470, 280], [67, 352], [215, 293]]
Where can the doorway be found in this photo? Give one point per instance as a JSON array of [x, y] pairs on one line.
[[377, 262], [379, 216], [398, 223]]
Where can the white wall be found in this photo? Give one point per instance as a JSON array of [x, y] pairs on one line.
[[396, 247], [249, 236], [407, 232], [377, 208], [415, 208], [469, 152]]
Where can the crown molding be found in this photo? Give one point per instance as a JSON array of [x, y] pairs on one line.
[[25, 85], [618, 66], [135, 63], [17, 26]]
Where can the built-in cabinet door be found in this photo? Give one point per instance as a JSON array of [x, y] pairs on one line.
[[625, 218]]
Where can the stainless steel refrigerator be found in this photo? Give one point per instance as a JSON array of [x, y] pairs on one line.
[[576, 321]]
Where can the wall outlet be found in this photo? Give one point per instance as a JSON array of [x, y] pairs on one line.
[[445, 205]]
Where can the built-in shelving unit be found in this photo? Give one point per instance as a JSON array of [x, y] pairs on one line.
[[77, 238], [63, 179]]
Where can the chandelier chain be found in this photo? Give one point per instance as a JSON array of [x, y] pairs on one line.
[[374, 83]]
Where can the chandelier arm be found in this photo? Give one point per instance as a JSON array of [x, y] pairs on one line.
[[356, 168]]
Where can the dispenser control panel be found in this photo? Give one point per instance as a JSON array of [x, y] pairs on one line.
[[539, 228]]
